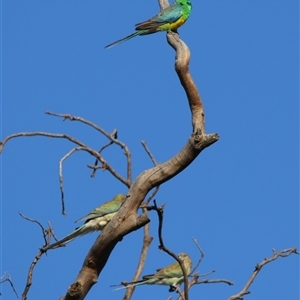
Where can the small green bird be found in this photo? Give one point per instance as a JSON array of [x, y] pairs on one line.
[[170, 18], [171, 275], [95, 220]]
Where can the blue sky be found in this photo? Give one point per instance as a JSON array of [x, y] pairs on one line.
[[240, 197]]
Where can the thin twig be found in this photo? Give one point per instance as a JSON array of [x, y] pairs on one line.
[[207, 273], [30, 274], [6, 277], [40, 133], [106, 134], [162, 246], [50, 233], [179, 292], [155, 164], [36, 258], [146, 244], [87, 122], [214, 281], [61, 185], [201, 255], [195, 280], [115, 135], [155, 191], [245, 291], [37, 222], [75, 141], [149, 153], [61, 181]]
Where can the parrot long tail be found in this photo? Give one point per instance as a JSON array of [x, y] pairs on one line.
[[82, 230], [125, 38], [129, 284]]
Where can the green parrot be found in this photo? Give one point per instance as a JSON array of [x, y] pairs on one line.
[[95, 220], [171, 275], [170, 18]]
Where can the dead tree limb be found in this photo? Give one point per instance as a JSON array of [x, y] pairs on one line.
[[258, 267]]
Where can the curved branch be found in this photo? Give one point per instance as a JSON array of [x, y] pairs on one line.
[[112, 137], [36, 258], [6, 277], [126, 220], [201, 256], [162, 246], [146, 244], [73, 140], [149, 153], [258, 267], [182, 60], [61, 178], [87, 122]]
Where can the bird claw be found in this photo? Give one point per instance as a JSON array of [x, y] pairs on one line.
[[173, 289]]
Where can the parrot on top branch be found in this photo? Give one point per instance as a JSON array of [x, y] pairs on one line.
[[171, 275], [95, 220], [170, 18]]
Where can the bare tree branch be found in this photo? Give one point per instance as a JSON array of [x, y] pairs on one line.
[[83, 147], [37, 133], [162, 246], [212, 281], [207, 273], [44, 232], [127, 220], [103, 166], [30, 274], [6, 277], [245, 291], [49, 232], [155, 191], [87, 122], [114, 134], [201, 255], [36, 258], [146, 244], [149, 153], [61, 181], [147, 239], [112, 137], [195, 279]]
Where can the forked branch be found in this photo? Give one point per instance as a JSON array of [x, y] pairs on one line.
[[7, 278], [46, 235], [147, 238], [127, 220], [245, 290]]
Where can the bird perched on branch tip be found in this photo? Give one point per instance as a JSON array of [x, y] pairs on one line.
[[170, 18]]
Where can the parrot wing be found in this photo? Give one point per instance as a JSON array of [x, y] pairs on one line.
[[104, 209], [168, 15], [171, 271]]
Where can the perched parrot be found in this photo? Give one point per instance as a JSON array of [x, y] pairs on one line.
[[95, 220], [171, 275], [170, 18]]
